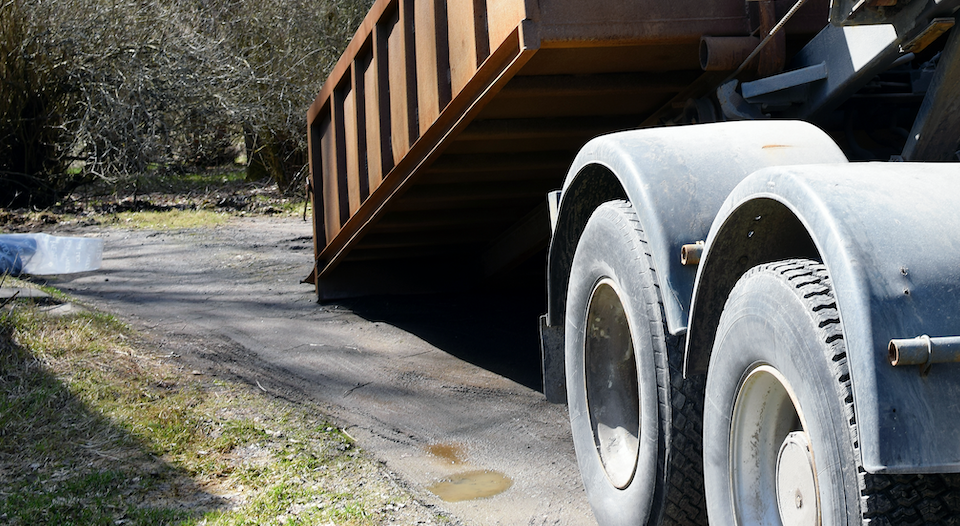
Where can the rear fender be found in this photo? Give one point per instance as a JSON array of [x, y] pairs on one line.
[[889, 235], [677, 179]]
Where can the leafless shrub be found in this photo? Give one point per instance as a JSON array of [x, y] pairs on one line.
[[290, 46], [116, 89]]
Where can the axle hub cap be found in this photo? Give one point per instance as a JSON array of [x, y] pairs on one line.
[[797, 482]]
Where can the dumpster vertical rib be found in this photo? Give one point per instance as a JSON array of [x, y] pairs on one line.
[[370, 120], [433, 60], [314, 147], [512, 54], [401, 60], [328, 173], [502, 18], [338, 176], [468, 40], [379, 123], [360, 67], [350, 141]]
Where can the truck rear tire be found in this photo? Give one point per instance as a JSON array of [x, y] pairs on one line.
[[635, 421], [781, 440]]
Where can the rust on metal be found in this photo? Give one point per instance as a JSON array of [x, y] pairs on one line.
[[937, 27], [690, 253], [774, 55]]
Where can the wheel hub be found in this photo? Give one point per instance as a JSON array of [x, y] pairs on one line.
[[613, 397], [773, 471], [797, 482]]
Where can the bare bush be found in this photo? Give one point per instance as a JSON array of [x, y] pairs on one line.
[[111, 90], [290, 46]]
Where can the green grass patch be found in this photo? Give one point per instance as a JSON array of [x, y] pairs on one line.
[[186, 183], [167, 220], [98, 427], [13, 282]]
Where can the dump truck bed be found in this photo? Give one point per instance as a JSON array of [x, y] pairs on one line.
[[444, 124]]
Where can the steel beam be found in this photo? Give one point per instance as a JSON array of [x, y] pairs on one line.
[[936, 131]]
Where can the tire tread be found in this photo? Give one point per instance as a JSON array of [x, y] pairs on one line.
[[685, 504], [885, 500]]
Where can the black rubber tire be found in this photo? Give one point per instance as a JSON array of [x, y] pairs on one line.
[[783, 315], [666, 486]]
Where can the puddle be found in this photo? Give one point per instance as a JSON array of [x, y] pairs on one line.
[[471, 485], [468, 485], [452, 453]]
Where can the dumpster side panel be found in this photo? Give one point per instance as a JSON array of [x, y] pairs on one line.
[[503, 16], [513, 80]]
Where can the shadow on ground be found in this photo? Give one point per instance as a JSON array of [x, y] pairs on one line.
[[494, 327], [63, 463]]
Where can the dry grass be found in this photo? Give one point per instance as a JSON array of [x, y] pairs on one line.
[[167, 220], [161, 202], [97, 427]]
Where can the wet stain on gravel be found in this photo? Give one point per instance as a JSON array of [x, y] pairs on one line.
[[471, 485], [452, 453]]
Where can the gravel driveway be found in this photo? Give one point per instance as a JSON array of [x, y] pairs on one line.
[[434, 386]]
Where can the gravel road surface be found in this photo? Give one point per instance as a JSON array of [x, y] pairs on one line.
[[434, 386]]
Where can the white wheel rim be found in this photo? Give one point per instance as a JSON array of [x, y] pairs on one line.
[[772, 468], [612, 385]]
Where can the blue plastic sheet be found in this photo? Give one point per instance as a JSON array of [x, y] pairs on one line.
[[43, 254], [14, 252]]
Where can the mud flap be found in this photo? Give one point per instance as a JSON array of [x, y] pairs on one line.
[[551, 359]]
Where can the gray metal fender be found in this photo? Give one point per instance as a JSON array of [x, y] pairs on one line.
[[676, 178], [889, 235]]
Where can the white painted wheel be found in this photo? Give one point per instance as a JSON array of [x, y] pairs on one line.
[[611, 383], [773, 472], [780, 430], [635, 421], [779, 447]]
